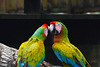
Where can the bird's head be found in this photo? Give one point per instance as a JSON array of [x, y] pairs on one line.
[[59, 30], [41, 32], [44, 33], [57, 27]]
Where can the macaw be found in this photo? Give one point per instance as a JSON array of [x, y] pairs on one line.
[[32, 52], [67, 53]]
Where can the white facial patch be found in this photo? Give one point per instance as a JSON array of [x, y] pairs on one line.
[[51, 27], [46, 31], [58, 27]]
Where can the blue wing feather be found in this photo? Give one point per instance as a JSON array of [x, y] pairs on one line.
[[65, 59], [73, 64], [21, 64], [59, 56]]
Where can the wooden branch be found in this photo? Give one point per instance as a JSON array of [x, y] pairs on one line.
[[8, 57]]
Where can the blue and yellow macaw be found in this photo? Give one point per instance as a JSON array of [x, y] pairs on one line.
[[67, 53], [32, 52]]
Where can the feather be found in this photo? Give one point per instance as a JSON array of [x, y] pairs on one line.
[[66, 52], [32, 52]]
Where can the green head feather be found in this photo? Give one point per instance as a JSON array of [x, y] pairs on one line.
[[39, 33]]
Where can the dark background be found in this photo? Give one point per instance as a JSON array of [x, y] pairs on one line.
[[14, 32], [81, 33]]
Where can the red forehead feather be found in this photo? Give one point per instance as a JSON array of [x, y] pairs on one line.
[[45, 25], [53, 23]]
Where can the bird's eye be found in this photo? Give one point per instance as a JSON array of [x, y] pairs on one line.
[[58, 24], [45, 29], [58, 27]]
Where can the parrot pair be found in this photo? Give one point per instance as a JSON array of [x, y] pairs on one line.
[[32, 52]]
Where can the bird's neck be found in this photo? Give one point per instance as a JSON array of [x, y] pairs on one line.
[[63, 36], [38, 36]]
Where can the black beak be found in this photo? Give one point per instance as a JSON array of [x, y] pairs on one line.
[[53, 30]]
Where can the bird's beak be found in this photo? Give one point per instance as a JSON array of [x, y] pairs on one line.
[[51, 27], [53, 30]]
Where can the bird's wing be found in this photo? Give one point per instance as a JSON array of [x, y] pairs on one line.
[[66, 53], [63, 52], [20, 53], [80, 56], [30, 52]]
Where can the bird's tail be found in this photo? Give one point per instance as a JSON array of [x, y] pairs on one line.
[[66, 65], [20, 64], [87, 64]]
